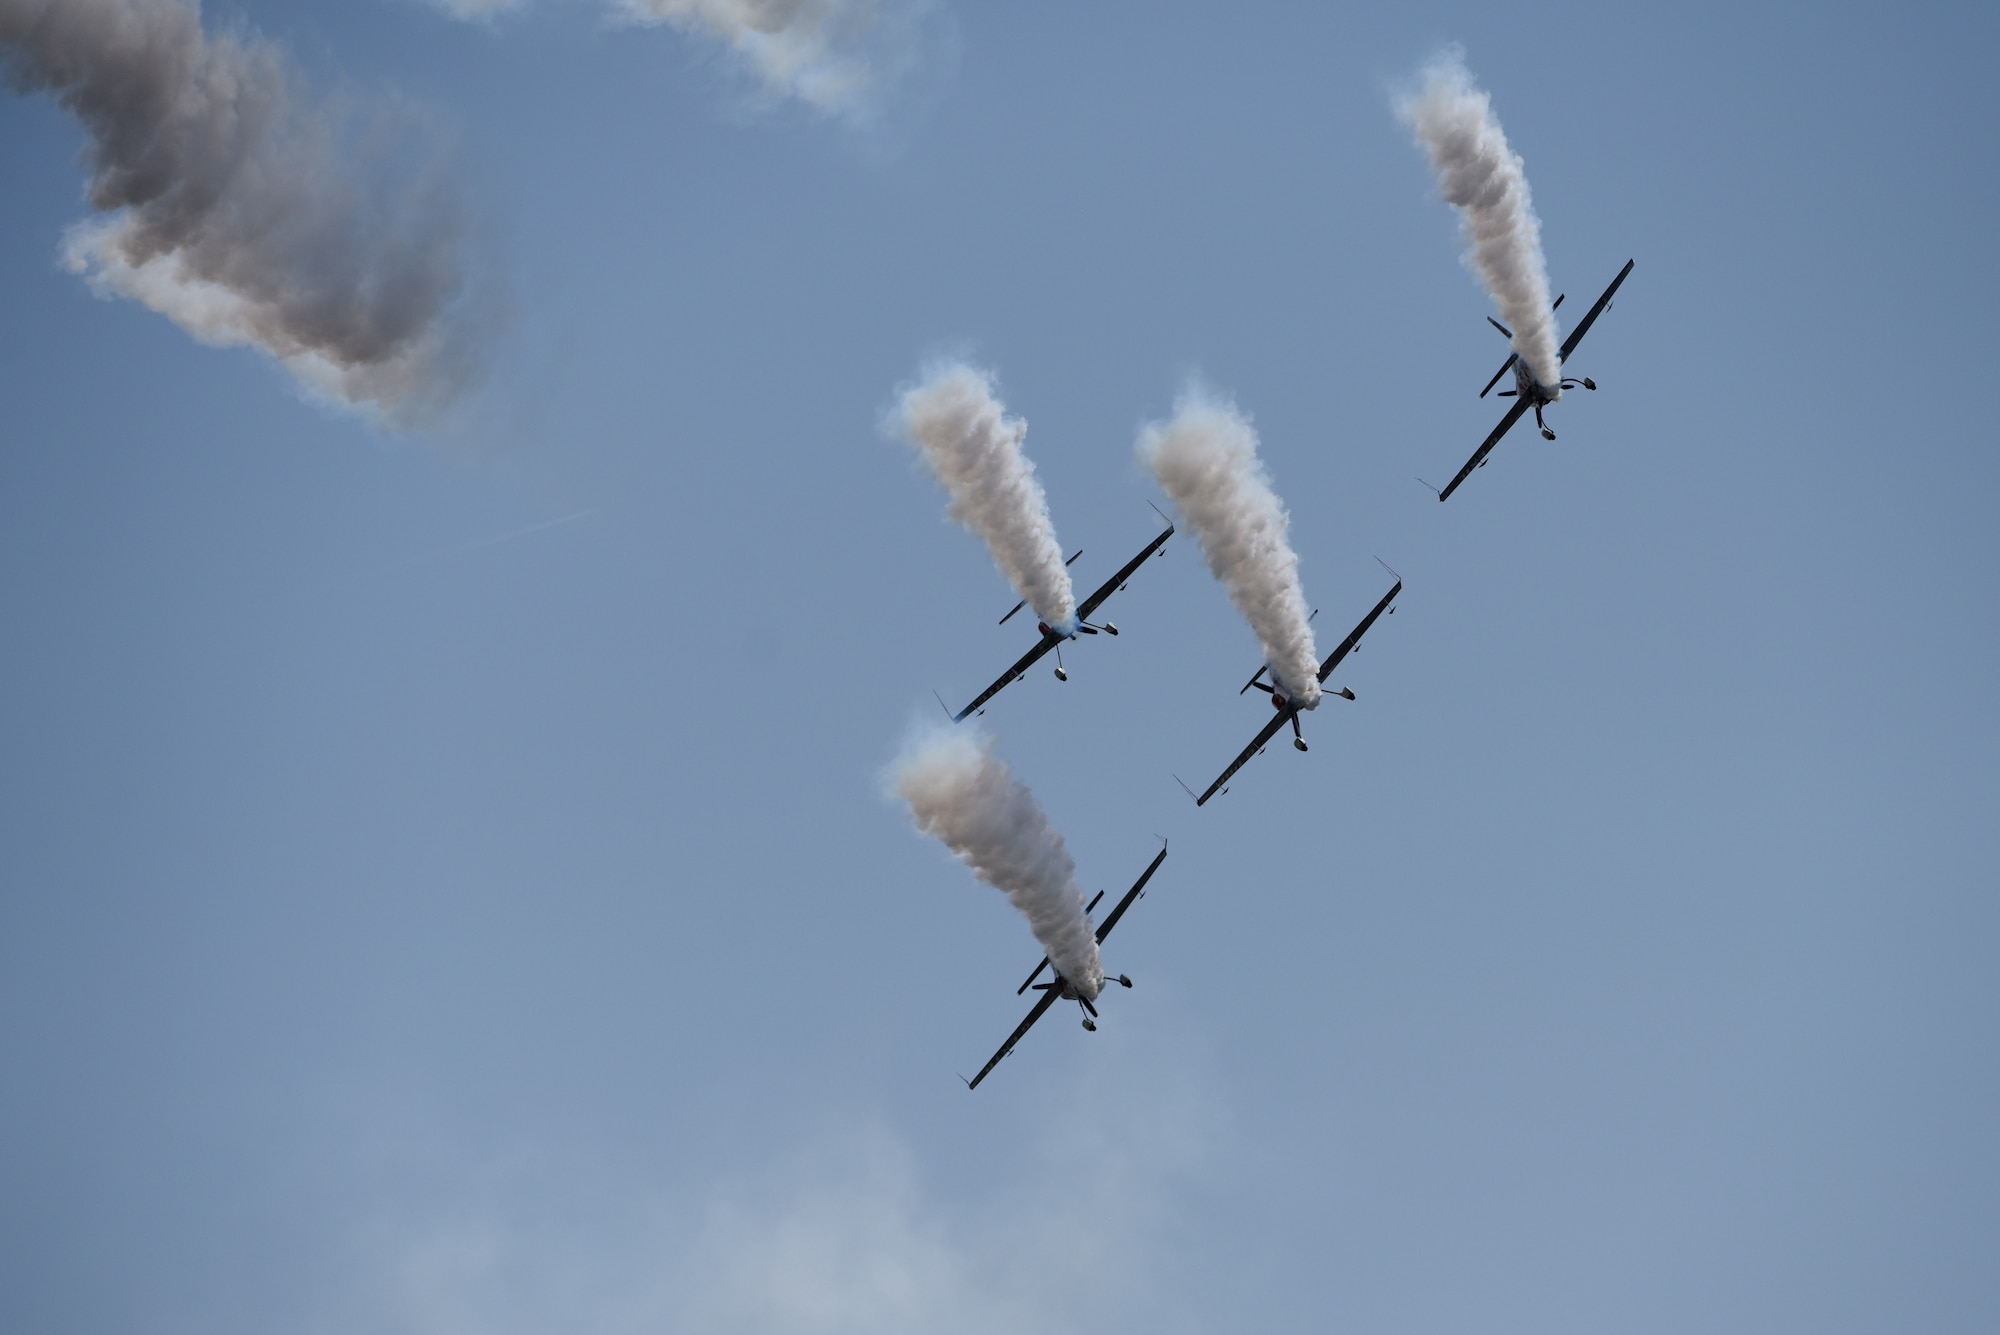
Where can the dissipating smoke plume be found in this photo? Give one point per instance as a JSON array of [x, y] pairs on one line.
[[1205, 459], [963, 795], [814, 50], [330, 236], [962, 430], [1486, 181], [832, 55]]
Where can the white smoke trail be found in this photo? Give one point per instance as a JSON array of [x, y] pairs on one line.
[[963, 432], [1206, 460], [1487, 182], [334, 243], [963, 795]]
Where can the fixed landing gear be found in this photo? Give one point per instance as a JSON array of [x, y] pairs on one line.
[[1060, 674], [1090, 1024], [1586, 383], [1298, 738]]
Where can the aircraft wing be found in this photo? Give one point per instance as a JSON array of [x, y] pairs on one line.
[[1110, 586], [1053, 993], [1354, 636], [1486, 447], [1049, 998], [1257, 744], [1583, 326], [1049, 641], [1138, 888]]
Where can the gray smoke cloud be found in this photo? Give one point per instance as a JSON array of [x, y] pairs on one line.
[[1206, 460], [962, 430], [964, 796], [1488, 184], [249, 214]]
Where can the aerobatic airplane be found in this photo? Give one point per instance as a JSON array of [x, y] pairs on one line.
[[1287, 709], [1528, 392], [1052, 639], [1060, 988]]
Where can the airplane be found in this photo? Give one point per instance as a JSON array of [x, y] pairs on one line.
[[1287, 710], [1052, 639], [1527, 392], [1061, 989]]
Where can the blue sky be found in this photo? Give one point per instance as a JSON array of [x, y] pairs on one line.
[[405, 930]]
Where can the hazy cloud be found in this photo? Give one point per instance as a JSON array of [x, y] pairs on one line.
[[835, 56]]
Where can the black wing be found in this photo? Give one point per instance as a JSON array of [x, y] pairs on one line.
[[1138, 888], [1049, 998], [1256, 745], [1354, 636], [1110, 586], [1049, 641], [1053, 992], [1583, 326], [1486, 448]]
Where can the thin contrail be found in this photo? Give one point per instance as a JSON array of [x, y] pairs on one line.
[[445, 553], [1486, 181], [509, 536]]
